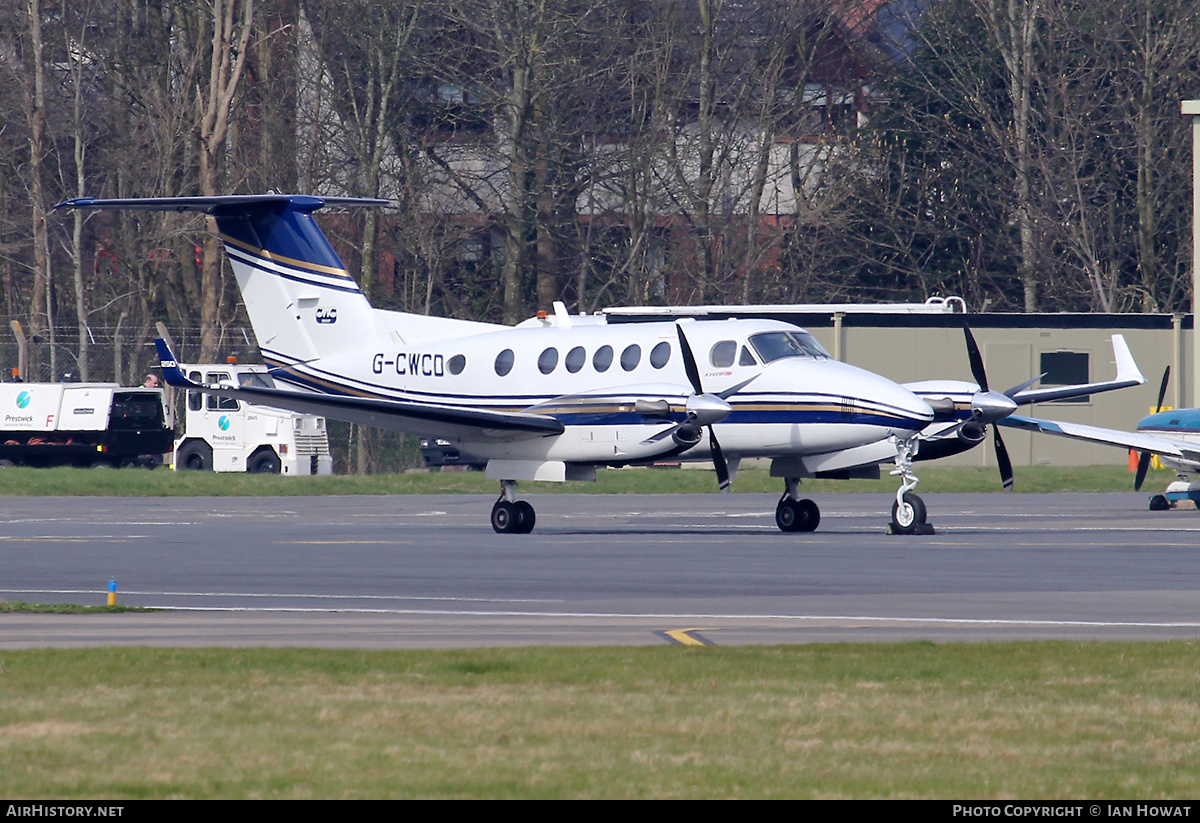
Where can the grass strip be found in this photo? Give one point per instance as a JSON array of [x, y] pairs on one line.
[[17, 482], [908, 720], [21, 607]]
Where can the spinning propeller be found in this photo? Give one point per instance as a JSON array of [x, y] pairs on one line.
[[702, 409], [1144, 457]]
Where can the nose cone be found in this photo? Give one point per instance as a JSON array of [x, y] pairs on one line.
[[992, 405], [889, 403], [707, 408]]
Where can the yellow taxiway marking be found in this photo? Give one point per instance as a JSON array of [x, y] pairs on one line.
[[684, 638]]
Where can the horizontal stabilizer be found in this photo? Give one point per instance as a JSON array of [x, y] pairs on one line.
[[407, 416], [228, 203]]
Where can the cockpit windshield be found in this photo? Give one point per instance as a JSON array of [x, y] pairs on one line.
[[774, 345]]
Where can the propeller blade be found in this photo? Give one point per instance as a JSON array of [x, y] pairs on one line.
[[667, 432], [719, 461], [1015, 390], [1006, 469], [732, 390], [1144, 457], [977, 370], [1162, 389], [689, 361], [1142, 467]]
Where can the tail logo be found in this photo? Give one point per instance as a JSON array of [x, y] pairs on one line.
[[327, 315]]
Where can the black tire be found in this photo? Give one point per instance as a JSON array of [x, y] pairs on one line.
[[1159, 503], [787, 515], [810, 515], [194, 456], [526, 517], [504, 517], [910, 517], [265, 462]]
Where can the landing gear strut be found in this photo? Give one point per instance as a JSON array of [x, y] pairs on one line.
[[908, 512], [792, 514], [509, 515]]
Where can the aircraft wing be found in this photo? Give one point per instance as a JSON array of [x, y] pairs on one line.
[[409, 417], [1140, 441], [1128, 375]]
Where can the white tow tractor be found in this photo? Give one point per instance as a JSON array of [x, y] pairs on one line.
[[226, 435]]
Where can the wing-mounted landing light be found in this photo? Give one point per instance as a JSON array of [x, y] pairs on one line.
[[1144, 457], [703, 409]]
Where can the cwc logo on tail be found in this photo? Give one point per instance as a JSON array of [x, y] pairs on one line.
[[327, 315]]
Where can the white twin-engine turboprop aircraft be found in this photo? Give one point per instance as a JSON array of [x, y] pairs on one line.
[[557, 396]]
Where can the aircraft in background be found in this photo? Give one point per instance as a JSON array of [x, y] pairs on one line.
[[557, 396], [1173, 435]]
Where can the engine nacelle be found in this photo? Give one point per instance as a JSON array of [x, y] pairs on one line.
[[686, 435], [972, 432]]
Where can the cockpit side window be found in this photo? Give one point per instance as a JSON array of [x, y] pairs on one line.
[[746, 358], [721, 355], [256, 380]]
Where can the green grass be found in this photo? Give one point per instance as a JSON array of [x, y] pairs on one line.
[[21, 607], [161, 482], [1001, 720]]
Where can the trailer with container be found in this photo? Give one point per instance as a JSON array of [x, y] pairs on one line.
[[83, 424]]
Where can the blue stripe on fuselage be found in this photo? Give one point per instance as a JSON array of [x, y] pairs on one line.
[[819, 411]]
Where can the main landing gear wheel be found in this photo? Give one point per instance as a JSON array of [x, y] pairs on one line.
[[1159, 503], [797, 515], [513, 517], [910, 517]]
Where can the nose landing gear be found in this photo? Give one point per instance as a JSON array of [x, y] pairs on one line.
[[908, 512]]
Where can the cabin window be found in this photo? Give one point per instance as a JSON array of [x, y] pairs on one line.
[[722, 354], [746, 358], [456, 364], [504, 362], [631, 357], [602, 359], [660, 355], [775, 345], [548, 360], [575, 359]]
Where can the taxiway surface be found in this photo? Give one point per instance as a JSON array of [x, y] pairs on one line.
[[427, 571]]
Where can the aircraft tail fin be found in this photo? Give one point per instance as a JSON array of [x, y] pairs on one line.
[[302, 302]]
